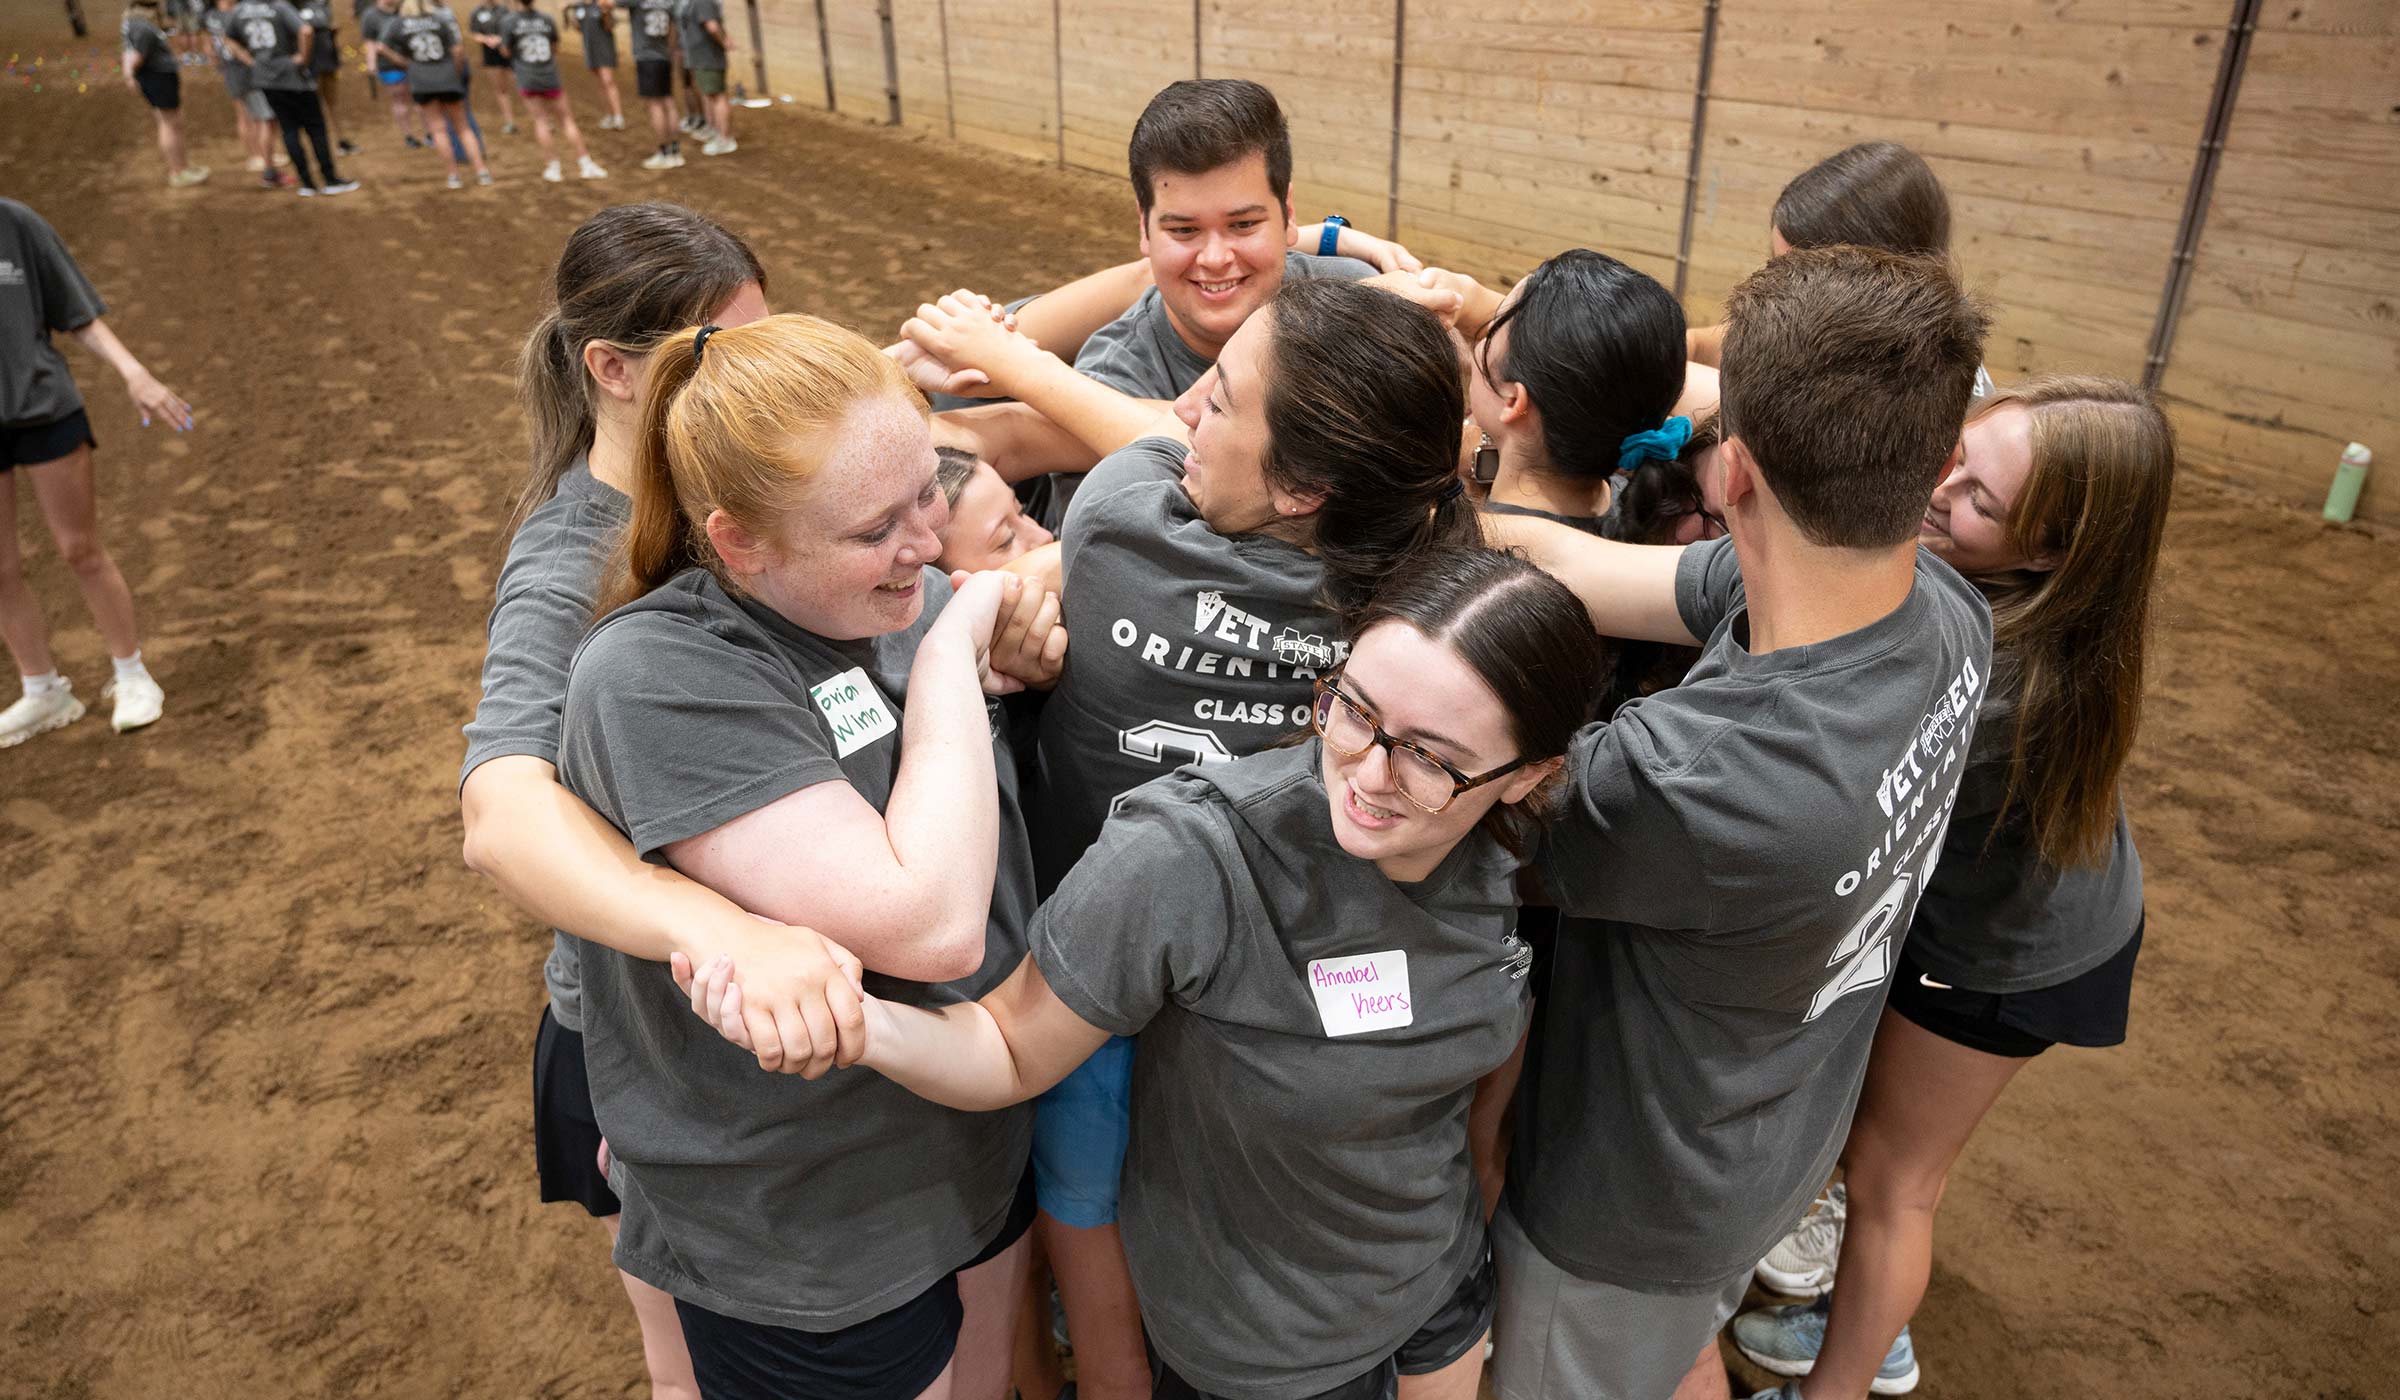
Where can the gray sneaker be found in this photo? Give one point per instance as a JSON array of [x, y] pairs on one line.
[[1801, 1264], [1786, 1340]]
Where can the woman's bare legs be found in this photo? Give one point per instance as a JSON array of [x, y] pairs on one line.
[[22, 625], [663, 1351], [1922, 1099], [1111, 1362], [170, 139], [993, 1293], [608, 90], [70, 506]]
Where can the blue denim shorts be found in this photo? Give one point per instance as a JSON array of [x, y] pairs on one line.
[[1079, 1132]]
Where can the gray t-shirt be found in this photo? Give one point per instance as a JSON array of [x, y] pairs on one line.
[[147, 43], [1140, 354], [270, 30], [41, 291], [1996, 917], [653, 31], [596, 25], [1191, 646], [1299, 1196], [548, 587], [700, 50], [216, 23], [430, 43], [532, 40], [371, 28], [1738, 857], [763, 1196]]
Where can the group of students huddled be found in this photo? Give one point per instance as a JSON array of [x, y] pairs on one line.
[[1356, 815], [280, 60]]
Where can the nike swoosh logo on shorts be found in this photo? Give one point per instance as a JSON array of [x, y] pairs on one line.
[[1925, 981]]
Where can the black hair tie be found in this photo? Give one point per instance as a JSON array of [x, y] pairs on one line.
[[1451, 491], [700, 342]]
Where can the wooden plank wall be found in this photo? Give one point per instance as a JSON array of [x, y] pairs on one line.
[[1330, 65], [1118, 54], [795, 65], [920, 34], [856, 31], [1529, 129], [2289, 344], [2065, 131], [1004, 75]]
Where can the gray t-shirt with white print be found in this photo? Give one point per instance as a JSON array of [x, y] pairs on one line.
[[531, 41], [766, 1197], [1737, 859], [1299, 1196], [1190, 646], [653, 30], [543, 604], [1140, 354], [270, 30], [1996, 916]]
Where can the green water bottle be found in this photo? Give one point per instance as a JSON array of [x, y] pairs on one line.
[[2348, 480]]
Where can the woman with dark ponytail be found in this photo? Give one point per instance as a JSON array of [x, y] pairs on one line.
[[1576, 380], [1214, 562], [628, 277]]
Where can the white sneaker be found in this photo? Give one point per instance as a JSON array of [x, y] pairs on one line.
[[39, 714], [483, 177], [722, 146], [454, 183], [659, 160], [1802, 1264], [590, 169], [552, 173], [675, 160], [139, 701]]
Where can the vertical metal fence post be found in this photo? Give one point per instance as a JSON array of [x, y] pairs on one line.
[[891, 63], [825, 52], [758, 48], [1691, 173], [1391, 213], [2230, 64]]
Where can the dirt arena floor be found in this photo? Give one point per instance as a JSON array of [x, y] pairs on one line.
[[263, 1111]]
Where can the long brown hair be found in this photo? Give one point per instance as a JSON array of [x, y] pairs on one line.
[[739, 427], [2095, 501], [1363, 401], [629, 276]]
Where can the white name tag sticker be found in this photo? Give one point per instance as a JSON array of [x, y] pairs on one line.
[[853, 710], [1364, 992]]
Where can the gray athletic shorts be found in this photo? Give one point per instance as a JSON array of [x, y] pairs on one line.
[[1559, 1337], [255, 103]]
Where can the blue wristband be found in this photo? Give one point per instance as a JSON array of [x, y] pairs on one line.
[[1332, 237]]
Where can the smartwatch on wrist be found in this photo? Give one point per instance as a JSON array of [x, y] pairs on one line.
[[1332, 237]]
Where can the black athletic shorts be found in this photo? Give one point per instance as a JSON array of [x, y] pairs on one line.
[[1456, 1328], [566, 1137], [892, 1356], [34, 444], [2088, 1010], [492, 58], [161, 90], [427, 99], [653, 77]]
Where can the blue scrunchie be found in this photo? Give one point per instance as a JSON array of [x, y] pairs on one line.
[[1659, 444]]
